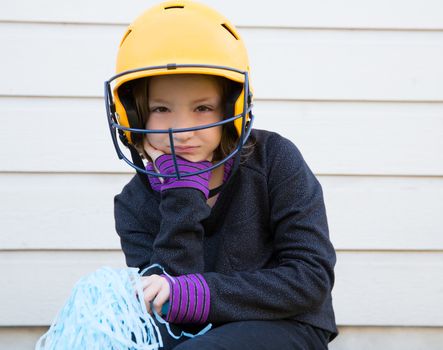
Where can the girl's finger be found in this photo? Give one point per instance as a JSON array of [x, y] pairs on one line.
[[147, 281], [150, 150], [144, 284], [146, 145], [160, 299], [150, 293]]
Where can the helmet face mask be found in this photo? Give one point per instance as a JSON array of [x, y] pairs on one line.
[[119, 132], [181, 48]]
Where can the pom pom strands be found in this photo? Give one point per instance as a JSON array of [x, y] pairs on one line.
[[103, 312]]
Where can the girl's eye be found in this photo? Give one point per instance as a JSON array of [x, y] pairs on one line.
[[203, 109], [159, 109]]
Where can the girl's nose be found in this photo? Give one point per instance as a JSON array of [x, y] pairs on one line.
[[183, 136], [181, 123]]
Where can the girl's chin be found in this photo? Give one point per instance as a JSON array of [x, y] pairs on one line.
[[192, 157]]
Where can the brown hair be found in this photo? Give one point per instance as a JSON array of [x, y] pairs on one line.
[[230, 92]]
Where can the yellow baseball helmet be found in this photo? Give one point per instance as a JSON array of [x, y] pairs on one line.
[[177, 37]]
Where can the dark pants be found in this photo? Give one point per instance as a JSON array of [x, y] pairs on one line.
[[243, 335]]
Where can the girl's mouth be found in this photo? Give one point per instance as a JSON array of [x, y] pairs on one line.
[[185, 149]]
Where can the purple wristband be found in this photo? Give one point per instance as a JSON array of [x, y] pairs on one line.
[[165, 165], [156, 183], [189, 299]]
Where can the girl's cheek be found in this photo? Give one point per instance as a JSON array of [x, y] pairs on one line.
[[155, 123], [155, 141]]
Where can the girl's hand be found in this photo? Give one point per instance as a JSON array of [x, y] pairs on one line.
[[155, 292], [152, 152]]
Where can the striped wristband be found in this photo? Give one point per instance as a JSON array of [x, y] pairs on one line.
[[189, 299], [165, 165]]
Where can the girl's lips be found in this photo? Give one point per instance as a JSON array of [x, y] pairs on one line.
[[187, 149]]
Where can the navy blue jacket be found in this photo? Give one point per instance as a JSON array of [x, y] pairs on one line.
[[263, 248]]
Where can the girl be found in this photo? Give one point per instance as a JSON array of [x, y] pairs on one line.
[[234, 216]]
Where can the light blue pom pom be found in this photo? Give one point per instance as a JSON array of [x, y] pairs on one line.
[[103, 312]]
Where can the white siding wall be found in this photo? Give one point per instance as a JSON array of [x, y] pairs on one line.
[[357, 85]]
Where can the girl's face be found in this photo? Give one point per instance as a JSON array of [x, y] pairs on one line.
[[183, 101]]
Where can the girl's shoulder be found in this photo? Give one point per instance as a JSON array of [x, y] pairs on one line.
[[135, 193], [273, 151], [279, 160]]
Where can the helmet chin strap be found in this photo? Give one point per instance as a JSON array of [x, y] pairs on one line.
[[139, 162]]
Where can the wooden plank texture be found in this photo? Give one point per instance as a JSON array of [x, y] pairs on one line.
[[389, 289], [75, 60], [75, 211], [395, 14], [392, 338], [372, 288], [356, 84], [72, 135]]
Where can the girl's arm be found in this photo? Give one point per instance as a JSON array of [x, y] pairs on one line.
[[175, 243], [303, 277], [169, 234], [136, 227], [178, 246]]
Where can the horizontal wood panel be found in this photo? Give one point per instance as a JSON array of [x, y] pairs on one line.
[[42, 211], [39, 283], [72, 135], [75, 211], [360, 138], [74, 60], [392, 338], [384, 213], [389, 289], [399, 289], [350, 338], [426, 14], [387, 229], [20, 338]]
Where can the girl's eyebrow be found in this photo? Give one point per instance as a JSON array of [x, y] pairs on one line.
[[199, 100], [157, 100], [207, 99]]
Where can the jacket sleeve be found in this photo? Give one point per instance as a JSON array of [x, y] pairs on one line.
[[303, 276], [136, 229], [170, 234], [178, 246]]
